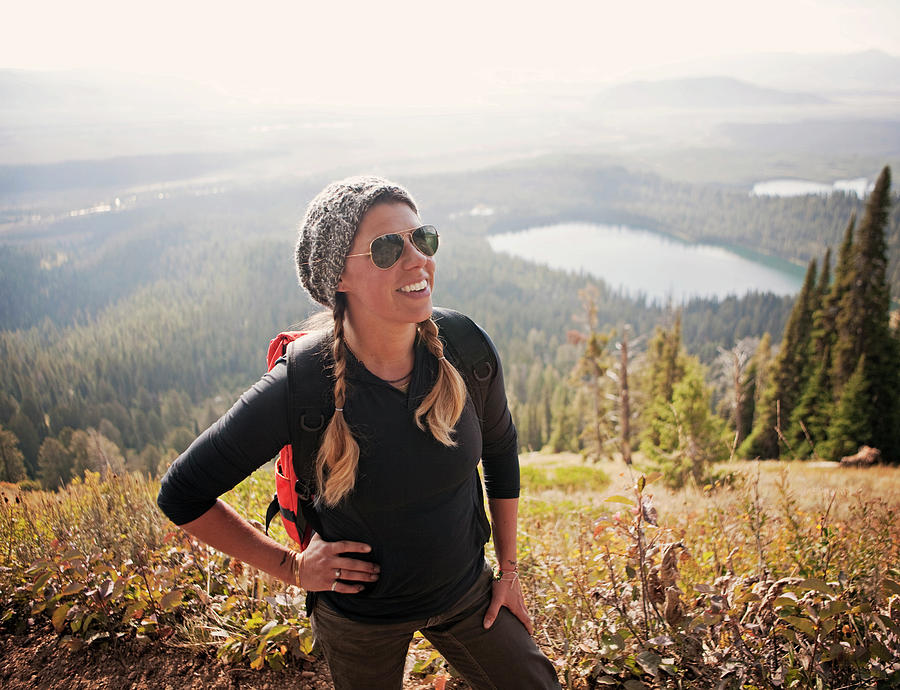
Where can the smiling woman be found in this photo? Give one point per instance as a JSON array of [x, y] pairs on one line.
[[401, 289], [400, 520]]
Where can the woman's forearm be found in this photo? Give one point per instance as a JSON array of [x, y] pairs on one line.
[[504, 518], [224, 529]]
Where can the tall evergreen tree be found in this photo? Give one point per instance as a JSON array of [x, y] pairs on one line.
[[851, 422], [813, 412], [863, 326], [843, 275], [757, 382], [814, 402], [786, 385]]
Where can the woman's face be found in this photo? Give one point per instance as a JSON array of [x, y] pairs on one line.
[[400, 294]]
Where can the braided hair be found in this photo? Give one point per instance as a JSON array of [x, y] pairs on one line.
[[338, 457]]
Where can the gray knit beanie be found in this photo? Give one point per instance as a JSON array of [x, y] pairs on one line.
[[329, 225]]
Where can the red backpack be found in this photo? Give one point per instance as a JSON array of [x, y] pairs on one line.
[[286, 499], [310, 389]]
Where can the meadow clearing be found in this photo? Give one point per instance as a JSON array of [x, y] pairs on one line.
[[781, 575]]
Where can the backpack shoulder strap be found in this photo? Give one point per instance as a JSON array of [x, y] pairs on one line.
[[468, 349], [310, 404], [311, 388]]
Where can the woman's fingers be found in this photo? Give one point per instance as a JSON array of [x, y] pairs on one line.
[[326, 567], [346, 588], [351, 564], [354, 575], [349, 547]]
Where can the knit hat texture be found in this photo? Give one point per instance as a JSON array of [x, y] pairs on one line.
[[329, 225]]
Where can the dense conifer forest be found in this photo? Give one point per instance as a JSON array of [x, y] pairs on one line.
[[136, 328]]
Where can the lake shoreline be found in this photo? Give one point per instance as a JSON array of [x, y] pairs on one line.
[[652, 264]]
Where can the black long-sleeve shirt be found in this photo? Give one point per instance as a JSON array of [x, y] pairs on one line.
[[416, 502]]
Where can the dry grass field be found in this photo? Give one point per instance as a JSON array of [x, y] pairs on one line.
[[781, 575]]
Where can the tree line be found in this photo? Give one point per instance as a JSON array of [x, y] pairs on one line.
[[183, 306], [831, 386], [835, 384], [154, 368]]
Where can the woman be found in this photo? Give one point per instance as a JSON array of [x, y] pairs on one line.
[[402, 539]]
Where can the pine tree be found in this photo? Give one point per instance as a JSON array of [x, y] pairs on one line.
[[810, 417], [664, 367], [821, 337], [758, 375], [814, 399], [666, 359], [564, 422], [843, 277], [690, 435], [786, 386], [863, 328], [813, 412], [681, 434], [851, 422]]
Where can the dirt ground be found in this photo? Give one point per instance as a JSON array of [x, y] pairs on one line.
[[36, 660]]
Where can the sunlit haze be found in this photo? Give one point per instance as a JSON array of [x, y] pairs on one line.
[[355, 52]]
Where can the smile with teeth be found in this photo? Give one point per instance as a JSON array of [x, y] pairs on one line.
[[415, 287]]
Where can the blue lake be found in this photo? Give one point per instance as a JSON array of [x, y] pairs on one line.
[[640, 262]]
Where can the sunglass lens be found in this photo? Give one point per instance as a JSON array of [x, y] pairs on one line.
[[426, 239], [386, 250]]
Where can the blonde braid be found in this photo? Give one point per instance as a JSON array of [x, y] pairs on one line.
[[444, 403], [339, 452]]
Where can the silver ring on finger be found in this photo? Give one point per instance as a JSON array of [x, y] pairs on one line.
[[333, 585], [337, 572]]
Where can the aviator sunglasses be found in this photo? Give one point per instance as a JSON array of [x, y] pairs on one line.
[[385, 250]]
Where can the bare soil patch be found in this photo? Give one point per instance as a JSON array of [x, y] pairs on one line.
[[36, 660]]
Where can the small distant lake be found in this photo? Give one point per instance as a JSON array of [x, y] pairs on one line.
[[643, 262], [859, 186]]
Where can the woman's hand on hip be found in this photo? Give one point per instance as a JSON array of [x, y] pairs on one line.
[[325, 566], [508, 593]]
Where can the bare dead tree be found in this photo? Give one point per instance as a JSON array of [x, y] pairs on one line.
[[733, 364]]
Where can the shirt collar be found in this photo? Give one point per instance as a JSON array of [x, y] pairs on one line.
[[422, 379]]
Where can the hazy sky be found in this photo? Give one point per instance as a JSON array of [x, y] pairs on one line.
[[334, 48]]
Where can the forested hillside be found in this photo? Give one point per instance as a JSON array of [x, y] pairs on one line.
[[143, 323], [791, 228]]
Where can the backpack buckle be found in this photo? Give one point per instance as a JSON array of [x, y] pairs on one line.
[[307, 426], [482, 371], [303, 491]]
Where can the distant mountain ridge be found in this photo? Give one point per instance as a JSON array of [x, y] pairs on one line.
[[815, 72], [701, 92]]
